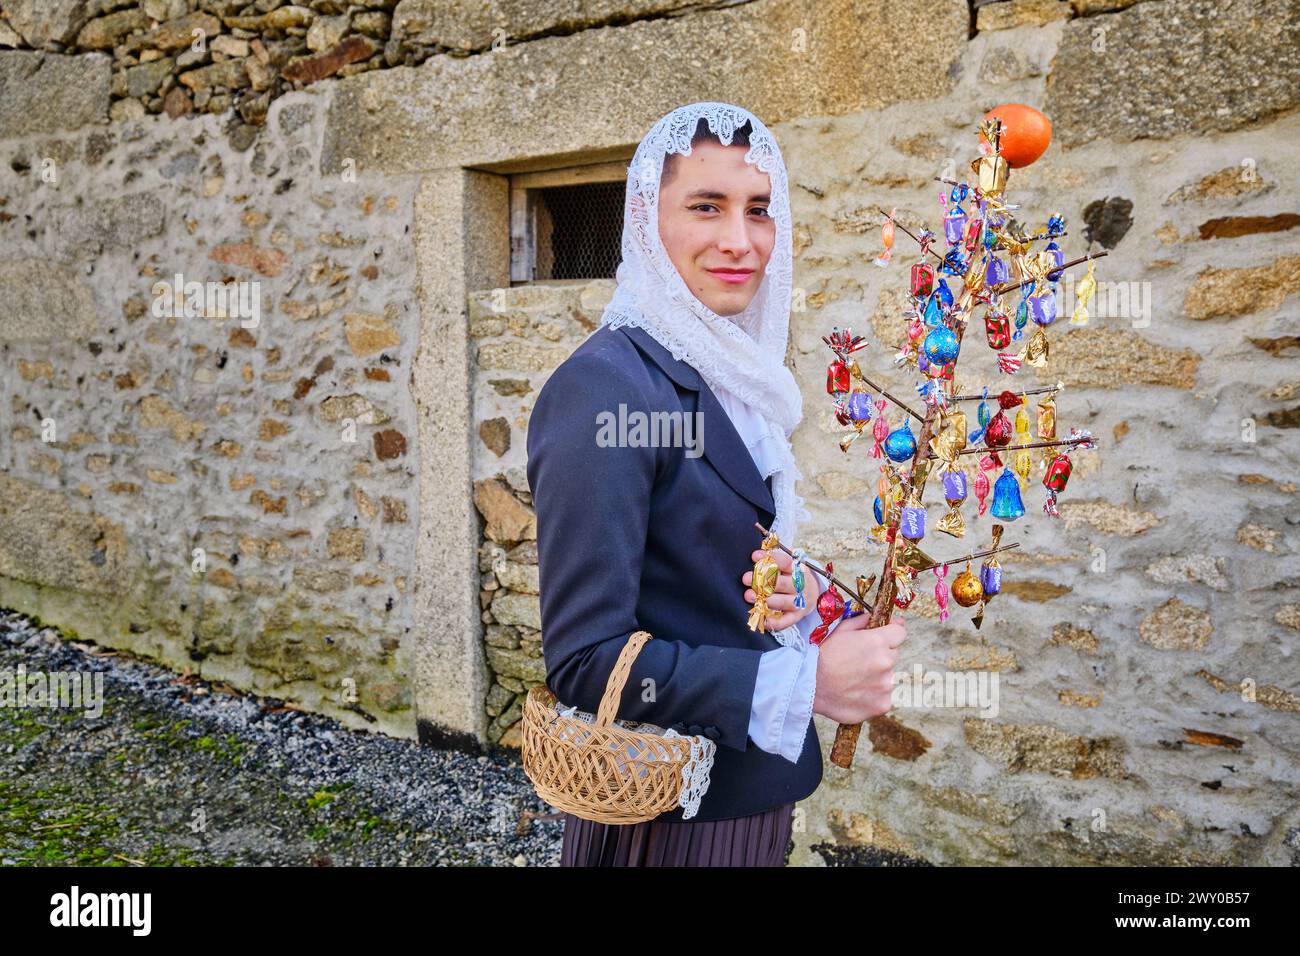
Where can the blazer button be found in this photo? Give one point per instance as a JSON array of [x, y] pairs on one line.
[[696, 730], [679, 727], [712, 732]]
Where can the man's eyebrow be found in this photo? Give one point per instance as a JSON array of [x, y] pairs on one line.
[[714, 194]]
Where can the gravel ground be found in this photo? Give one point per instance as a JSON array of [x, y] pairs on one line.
[[178, 771]]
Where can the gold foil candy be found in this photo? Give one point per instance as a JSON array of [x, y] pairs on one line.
[[766, 573], [1035, 351], [1084, 291], [952, 521], [992, 172], [912, 557], [966, 589]]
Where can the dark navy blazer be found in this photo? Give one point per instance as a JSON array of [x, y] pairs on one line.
[[647, 538]]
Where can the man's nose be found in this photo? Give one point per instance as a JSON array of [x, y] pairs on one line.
[[735, 234]]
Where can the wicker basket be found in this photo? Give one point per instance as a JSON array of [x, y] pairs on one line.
[[607, 770]]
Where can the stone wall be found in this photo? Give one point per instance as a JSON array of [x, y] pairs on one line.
[[351, 464]]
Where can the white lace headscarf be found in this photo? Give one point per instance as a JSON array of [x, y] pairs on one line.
[[744, 353]]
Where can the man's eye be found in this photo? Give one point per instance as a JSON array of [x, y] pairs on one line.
[[702, 205], [763, 210]]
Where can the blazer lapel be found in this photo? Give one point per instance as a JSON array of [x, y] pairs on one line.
[[723, 446]]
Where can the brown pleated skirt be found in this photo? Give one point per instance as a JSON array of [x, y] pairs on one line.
[[756, 840]]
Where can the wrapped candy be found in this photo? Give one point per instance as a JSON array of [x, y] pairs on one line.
[[998, 328], [943, 294], [766, 573], [955, 490], [941, 591], [880, 430], [1047, 426], [995, 273], [1022, 319], [954, 263], [922, 279], [998, 432], [951, 437], [837, 377], [966, 589], [1024, 460], [799, 581], [1057, 259], [830, 606], [1058, 473], [990, 577], [911, 522], [901, 443], [856, 412], [1006, 497], [982, 417], [1042, 308], [904, 591], [973, 234], [954, 225], [1035, 352], [887, 237], [981, 490], [992, 172], [932, 314], [1084, 292], [941, 346]]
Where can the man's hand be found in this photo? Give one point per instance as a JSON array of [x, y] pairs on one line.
[[782, 599], [855, 670]]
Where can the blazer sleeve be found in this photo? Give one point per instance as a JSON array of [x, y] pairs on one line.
[[593, 508]]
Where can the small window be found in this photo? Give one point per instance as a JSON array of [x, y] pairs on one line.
[[567, 223]]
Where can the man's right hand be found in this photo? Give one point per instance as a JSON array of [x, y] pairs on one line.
[[855, 670]]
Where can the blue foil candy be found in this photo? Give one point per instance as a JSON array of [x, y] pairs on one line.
[[941, 346], [901, 443], [1006, 497], [878, 510]]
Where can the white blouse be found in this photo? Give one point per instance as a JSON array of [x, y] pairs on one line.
[[787, 676]]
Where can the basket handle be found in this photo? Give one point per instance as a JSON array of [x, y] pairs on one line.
[[618, 677]]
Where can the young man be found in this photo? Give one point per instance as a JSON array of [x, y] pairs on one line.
[[654, 530]]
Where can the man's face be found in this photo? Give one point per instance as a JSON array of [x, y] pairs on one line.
[[714, 224]]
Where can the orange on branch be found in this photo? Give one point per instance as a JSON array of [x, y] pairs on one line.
[[1026, 133]]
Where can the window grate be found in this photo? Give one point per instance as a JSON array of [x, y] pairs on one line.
[[580, 230], [567, 223]]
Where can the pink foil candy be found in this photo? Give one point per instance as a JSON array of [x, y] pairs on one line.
[[941, 591], [982, 490], [879, 431]]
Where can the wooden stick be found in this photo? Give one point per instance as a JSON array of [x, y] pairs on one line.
[[890, 397], [822, 571], [1012, 286], [899, 225], [1032, 444], [968, 557], [1019, 391]]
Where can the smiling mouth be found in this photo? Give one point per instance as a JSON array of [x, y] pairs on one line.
[[733, 276]]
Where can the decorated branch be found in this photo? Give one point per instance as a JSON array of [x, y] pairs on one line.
[[1005, 278]]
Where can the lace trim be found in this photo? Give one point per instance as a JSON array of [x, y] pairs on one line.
[[695, 772]]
